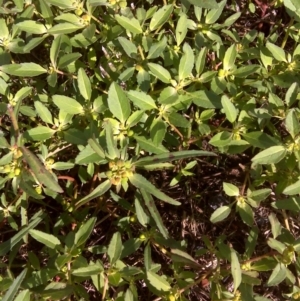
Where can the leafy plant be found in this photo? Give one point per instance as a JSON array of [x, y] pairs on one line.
[[129, 128]]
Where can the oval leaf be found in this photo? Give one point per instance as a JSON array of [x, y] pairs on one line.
[[273, 154], [67, 104], [220, 214], [118, 103], [142, 100], [115, 248], [229, 109], [131, 25], [160, 72], [32, 27], [158, 282], [40, 172], [84, 84], [142, 183], [46, 239], [161, 16], [14, 287], [278, 275], [235, 270], [23, 69]]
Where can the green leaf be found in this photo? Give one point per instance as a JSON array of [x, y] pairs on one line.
[[40, 172], [160, 17], [62, 165], [147, 257], [154, 213], [84, 84], [210, 4], [57, 291], [64, 28], [118, 103], [246, 213], [84, 232], [186, 64], [142, 183], [67, 59], [39, 133], [27, 188], [235, 270], [43, 112], [32, 27], [23, 296], [54, 50], [128, 46], [52, 79], [229, 109], [96, 147], [4, 30], [292, 204], [168, 96], [6, 246], [278, 275], [214, 14], [277, 52], [67, 104], [230, 189], [130, 246], [142, 100], [251, 242], [181, 29], [171, 156], [140, 213], [92, 269], [160, 72], [275, 225], [292, 189], [231, 20], [178, 120], [114, 248], [201, 60], [260, 139], [111, 145], [229, 57], [75, 136], [22, 93], [23, 69], [131, 24], [265, 264], [45, 10], [100, 190], [13, 289], [65, 4], [260, 194], [147, 145], [94, 3], [183, 257], [3, 86], [160, 283], [157, 49], [245, 71], [114, 278], [220, 214], [276, 245], [292, 94], [46, 239], [158, 131], [129, 295], [273, 154], [206, 99]]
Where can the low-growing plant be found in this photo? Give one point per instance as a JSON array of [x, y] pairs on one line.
[[115, 117]]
